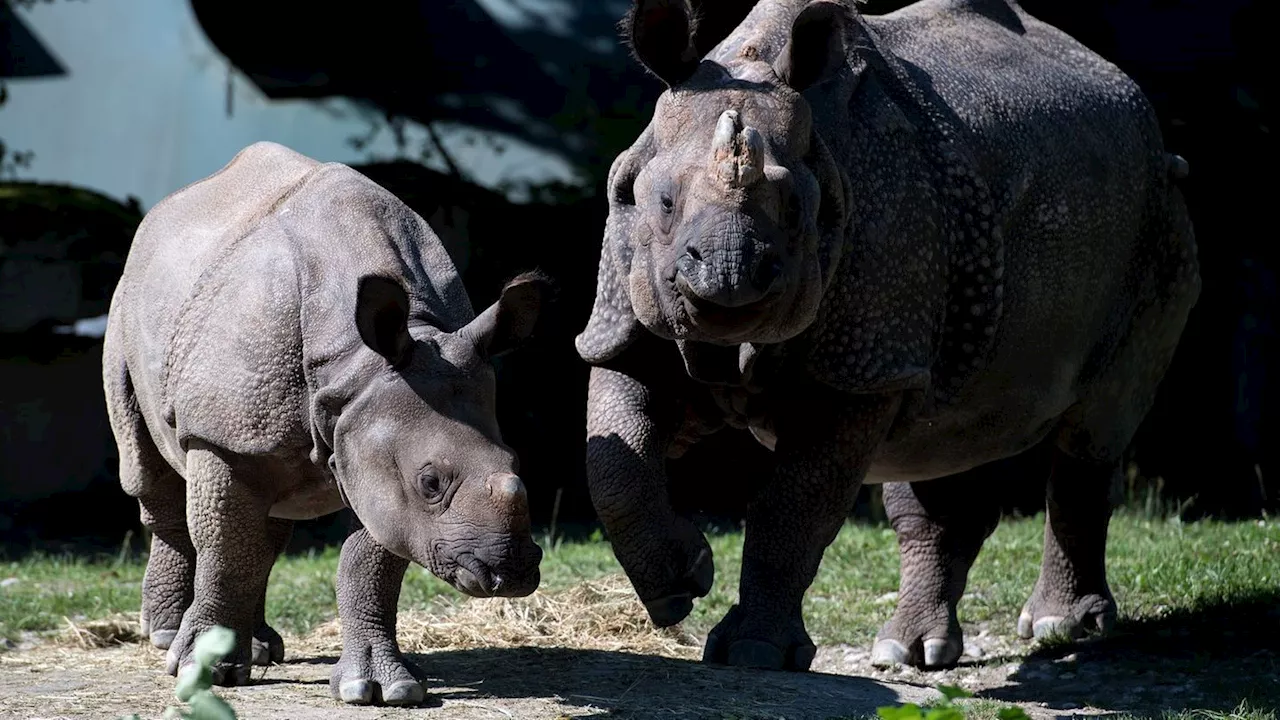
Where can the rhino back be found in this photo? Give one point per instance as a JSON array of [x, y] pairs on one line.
[[240, 281], [1071, 222]]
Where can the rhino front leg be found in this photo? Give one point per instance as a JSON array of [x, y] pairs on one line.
[[234, 554], [268, 646], [666, 557], [941, 525], [372, 670], [1072, 598], [824, 448]]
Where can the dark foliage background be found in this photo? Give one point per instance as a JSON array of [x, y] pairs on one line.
[[1206, 449]]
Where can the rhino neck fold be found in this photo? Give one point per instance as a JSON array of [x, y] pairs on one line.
[[918, 299]]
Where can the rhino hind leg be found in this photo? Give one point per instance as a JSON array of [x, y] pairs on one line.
[[234, 553], [169, 582], [1072, 599], [268, 646], [941, 525]]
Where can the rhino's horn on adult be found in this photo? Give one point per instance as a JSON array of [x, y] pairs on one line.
[[893, 248], [288, 338]]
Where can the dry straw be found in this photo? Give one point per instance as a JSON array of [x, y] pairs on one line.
[[599, 614]]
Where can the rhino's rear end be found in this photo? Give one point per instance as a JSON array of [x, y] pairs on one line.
[[179, 240]]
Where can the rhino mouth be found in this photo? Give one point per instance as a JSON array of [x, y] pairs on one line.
[[701, 312], [476, 578]]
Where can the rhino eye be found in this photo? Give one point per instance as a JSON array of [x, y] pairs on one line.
[[668, 205], [430, 484]]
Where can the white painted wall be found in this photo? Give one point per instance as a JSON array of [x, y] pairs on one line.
[[142, 110]]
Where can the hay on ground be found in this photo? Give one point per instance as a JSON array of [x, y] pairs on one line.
[[115, 630], [602, 614]]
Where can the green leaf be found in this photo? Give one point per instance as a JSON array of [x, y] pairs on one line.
[[191, 680], [207, 706], [951, 692], [213, 645], [1012, 712], [909, 711], [946, 712]]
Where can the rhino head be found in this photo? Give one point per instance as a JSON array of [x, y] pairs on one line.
[[417, 452], [723, 212]]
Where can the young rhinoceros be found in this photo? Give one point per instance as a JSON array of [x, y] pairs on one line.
[[894, 248], [288, 338]]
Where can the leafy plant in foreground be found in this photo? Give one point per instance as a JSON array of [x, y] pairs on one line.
[[195, 681], [943, 710]]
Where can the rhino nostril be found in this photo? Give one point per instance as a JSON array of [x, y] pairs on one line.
[[693, 254], [767, 273]]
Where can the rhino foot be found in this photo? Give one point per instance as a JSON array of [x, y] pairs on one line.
[[232, 671], [1067, 619], [162, 639], [740, 642], [695, 582], [906, 640], [1072, 599], [376, 674], [930, 653], [268, 646]]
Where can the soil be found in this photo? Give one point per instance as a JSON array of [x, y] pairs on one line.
[[53, 681], [591, 653]]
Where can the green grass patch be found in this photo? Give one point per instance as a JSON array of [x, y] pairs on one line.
[[1156, 568]]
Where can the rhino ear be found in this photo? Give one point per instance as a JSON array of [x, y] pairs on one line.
[[382, 317], [817, 46], [509, 322], [660, 33]]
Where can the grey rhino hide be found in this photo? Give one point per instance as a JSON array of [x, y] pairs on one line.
[[925, 241], [287, 337]]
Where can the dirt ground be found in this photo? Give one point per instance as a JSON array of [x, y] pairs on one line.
[[590, 653]]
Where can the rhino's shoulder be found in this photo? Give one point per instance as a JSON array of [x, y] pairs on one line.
[[346, 224], [939, 18]]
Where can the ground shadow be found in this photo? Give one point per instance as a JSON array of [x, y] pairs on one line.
[[626, 685], [1211, 658]]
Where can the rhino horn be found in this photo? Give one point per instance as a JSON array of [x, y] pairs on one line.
[[737, 152]]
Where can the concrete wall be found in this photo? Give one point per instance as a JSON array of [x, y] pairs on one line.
[[148, 106]]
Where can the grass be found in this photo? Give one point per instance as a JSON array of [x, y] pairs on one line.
[[1155, 567], [1212, 581]]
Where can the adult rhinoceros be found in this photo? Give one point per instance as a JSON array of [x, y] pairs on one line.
[[895, 248]]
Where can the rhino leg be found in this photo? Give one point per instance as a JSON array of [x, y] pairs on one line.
[[630, 424], [169, 582], [824, 452], [268, 646], [234, 554], [941, 525], [372, 670], [1071, 598]]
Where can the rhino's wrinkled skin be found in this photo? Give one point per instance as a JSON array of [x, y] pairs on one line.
[[287, 337], [894, 248]]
